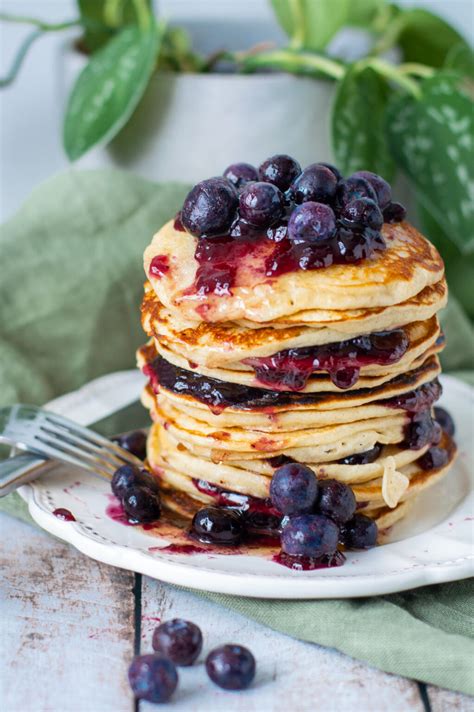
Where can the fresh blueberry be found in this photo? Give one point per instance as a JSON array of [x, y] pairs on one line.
[[362, 458], [445, 420], [142, 504], [379, 184], [240, 173], [336, 500], [293, 489], [394, 213], [433, 458], [420, 431], [316, 183], [216, 525], [128, 476], [209, 208], [362, 212], [437, 433], [312, 223], [134, 442], [153, 678], [281, 170], [231, 667], [261, 204], [354, 188], [309, 535], [333, 169], [178, 640], [360, 532]]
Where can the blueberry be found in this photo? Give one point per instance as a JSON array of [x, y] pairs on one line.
[[333, 169], [134, 442], [281, 170], [261, 204], [445, 420], [379, 184], [310, 535], [178, 640], [362, 458], [336, 500], [362, 212], [293, 489], [353, 188], [317, 183], [420, 431], [216, 525], [153, 678], [142, 504], [360, 532], [394, 212], [312, 222], [231, 667], [262, 524], [240, 173], [209, 208], [129, 476], [433, 458]]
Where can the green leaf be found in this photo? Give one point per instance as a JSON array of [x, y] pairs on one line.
[[311, 24], [461, 59], [102, 19], [358, 123], [363, 12], [426, 38], [109, 88], [431, 138]]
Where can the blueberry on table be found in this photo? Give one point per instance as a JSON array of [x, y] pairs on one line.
[[336, 500], [445, 420], [317, 183], [152, 678], [379, 184], [433, 458], [394, 212], [360, 532], [217, 525], [178, 640], [128, 476], [231, 667], [281, 170], [310, 535], [261, 204], [312, 223], [353, 188], [142, 504], [134, 442], [210, 207], [240, 173], [294, 489], [362, 212]]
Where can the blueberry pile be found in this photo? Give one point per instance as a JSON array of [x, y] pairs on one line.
[[315, 207], [178, 643], [138, 492]]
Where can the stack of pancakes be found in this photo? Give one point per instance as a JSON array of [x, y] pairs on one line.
[[224, 415]]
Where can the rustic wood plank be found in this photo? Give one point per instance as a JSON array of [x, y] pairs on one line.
[[67, 626], [292, 675], [448, 701]]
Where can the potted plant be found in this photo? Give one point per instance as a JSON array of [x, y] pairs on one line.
[[169, 113]]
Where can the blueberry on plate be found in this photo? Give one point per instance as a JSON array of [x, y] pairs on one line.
[[142, 504], [209, 208], [353, 188], [134, 442], [362, 212], [261, 204], [394, 213], [433, 458], [262, 524], [445, 420], [379, 184], [281, 170], [310, 535], [152, 678], [178, 640], [360, 532], [128, 476], [316, 183], [240, 173], [336, 500], [294, 489], [312, 223], [332, 168], [217, 525], [231, 667]]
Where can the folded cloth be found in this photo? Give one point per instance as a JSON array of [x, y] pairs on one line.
[[69, 311]]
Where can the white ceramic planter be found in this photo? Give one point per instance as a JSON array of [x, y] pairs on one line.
[[193, 125]]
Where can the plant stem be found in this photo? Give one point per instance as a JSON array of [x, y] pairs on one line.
[[391, 71], [297, 11], [296, 62], [20, 56], [43, 26], [418, 70], [143, 14]]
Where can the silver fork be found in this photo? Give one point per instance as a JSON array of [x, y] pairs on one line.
[[54, 437]]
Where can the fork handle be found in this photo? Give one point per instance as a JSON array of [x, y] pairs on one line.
[[16, 471]]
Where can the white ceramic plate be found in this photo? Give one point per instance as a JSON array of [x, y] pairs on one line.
[[434, 543]]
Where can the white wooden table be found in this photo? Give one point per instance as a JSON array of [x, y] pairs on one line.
[[70, 626]]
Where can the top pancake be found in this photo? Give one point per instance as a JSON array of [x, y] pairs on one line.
[[408, 265]]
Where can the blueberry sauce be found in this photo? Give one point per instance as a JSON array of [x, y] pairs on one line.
[[64, 514], [235, 500], [308, 563], [362, 458], [159, 266], [291, 369]]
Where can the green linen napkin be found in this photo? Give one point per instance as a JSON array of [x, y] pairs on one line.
[[70, 290]]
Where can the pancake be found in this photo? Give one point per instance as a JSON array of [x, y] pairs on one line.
[[408, 265]]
